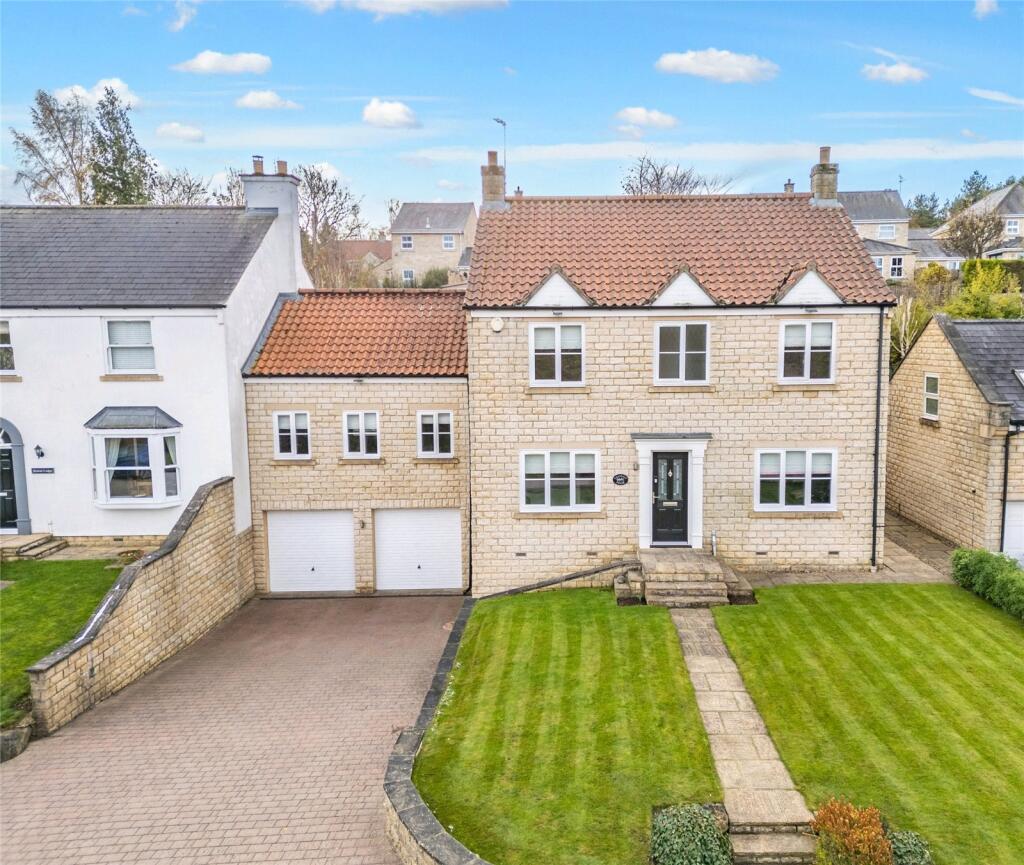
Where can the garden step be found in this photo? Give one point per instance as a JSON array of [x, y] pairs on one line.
[[41, 551], [687, 594], [772, 848]]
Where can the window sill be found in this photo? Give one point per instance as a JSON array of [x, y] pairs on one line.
[[804, 385], [796, 515], [556, 389], [137, 505], [560, 515], [9, 376], [681, 388], [361, 461], [435, 461], [284, 461], [930, 421], [127, 376]]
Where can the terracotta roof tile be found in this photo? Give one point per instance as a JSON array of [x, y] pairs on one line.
[[621, 250], [367, 333]]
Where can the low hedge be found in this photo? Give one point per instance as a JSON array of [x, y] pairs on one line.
[[973, 266], [995, 577], [688, 835]]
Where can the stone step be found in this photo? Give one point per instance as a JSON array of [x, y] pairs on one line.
[[41, 551], [35, 543], [773, 848], [714, 587], [686, 602]]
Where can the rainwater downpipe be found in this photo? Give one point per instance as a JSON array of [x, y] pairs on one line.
[[878, 440], [1010, 433]]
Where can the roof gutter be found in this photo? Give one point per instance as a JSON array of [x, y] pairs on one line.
[[1010, 433]]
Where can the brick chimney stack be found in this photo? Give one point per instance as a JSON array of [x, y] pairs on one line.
[[825, 181], [257, 164], [788, 187], [282, 167], [492, 178]]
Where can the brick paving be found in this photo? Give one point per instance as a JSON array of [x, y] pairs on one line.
[[266, 741]]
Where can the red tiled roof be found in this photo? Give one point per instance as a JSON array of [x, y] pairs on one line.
[[367, 333], [621, 250], [356, 250]]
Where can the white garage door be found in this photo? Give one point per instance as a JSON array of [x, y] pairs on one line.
[[1013, 541], [311, 551], [418, 548]]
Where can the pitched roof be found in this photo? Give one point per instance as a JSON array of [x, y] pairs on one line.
[[126, 256], [991, 351], [926, 246], [874, 204], [881, 247], [358, 249], [129, 417], [420, 217], [1005, 200], [364, 333], [622, 250]]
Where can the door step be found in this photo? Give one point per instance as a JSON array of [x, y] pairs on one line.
[[44, 549], [687, 594], [773, 848]]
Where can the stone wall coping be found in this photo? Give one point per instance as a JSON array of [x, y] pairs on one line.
[[127, 578]]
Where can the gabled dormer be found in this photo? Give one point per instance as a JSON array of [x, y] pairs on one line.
[[682, 289], [807, 287], [556, 289]]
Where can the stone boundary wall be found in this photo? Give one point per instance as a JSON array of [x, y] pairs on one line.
[[412, 828], [163, 602]]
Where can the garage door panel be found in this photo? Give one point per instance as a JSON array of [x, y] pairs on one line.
[[418, 549], [311, 551], [1013, 540]]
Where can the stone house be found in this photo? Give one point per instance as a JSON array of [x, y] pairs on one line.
[[427, 236], [956, 406], [1008, 202], [881, 218]]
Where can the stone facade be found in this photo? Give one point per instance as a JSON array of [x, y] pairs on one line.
[[946, 475], [428, 252], [327, 481], [869, 230], [742, 409], [158, 606]]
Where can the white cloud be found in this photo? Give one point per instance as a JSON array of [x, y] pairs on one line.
[[132, 11], [629, 130], [893, 73], [384, 8], [638, 116], [724, 66], [510, 70], [995, 96], [184, 13], [331, 172], [263, 100], [179, 132], [91, 96], [450, 184], [984, 8], [389, 115], [970, 133], [215, 63]]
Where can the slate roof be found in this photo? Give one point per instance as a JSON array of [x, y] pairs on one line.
[[990, 350], [875, 204], [128, 417], [126, 256], [420, 217], [926, 246], [881, 247], [1006, 200], [621, 250], [465, 258], [364, 333]]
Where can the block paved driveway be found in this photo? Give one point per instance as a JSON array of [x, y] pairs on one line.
[[266, 741]]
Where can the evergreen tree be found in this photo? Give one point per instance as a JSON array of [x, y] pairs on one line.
[[974, 188], [925, 211], [122, 172]]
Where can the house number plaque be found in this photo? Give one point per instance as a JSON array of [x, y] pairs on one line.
[[620, 480]]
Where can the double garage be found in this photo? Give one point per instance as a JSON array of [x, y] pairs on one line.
[[415, 549]]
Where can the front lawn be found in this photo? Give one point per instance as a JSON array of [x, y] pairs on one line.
[[907, 697], [567, 719], [47, 606]]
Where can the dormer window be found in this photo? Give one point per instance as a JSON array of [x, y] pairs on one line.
[[406, 241], [886, 231]]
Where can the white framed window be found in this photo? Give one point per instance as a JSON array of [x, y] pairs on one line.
[[556, 354], [408, 277], [886, 231], [136, 468], [681, 353], [406, 241], [291, 435], [448, 241], [362, 434], [879, 261], [795, 480], [806, 350], [6, 348], [1012, 227], [559, 480], [896, 267], [931, 397], [130, 346], [435, 437]]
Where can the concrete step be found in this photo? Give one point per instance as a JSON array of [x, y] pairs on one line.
[[41, 551], [773, 848]]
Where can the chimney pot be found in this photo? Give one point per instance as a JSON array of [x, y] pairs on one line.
[[492, 157], [257, 164], [789, 187], [825, 155], [519, 192], [282, 167]]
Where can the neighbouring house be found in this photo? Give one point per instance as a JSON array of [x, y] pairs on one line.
[[931, 250], [427, 236], [956, 408], [359, 443], [880, 217], [124, 331], [692, 371], [1008, 202], [364, 255]]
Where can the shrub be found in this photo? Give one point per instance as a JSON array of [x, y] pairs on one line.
[[687, 835], [436, 277], [848, 835], [995, 577], [909, 848], [972, 267], [992, 292]]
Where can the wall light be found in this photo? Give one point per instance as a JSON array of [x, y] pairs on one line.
[[40, 453]]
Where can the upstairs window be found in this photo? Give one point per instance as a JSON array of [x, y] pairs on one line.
[[291, 435], [896, 267], [886, 231], [1012, 227], [361, 434], [556, 354], [931, 397], [682, 353], [559, 481], [435, 433], [130, 347], [6, 348], [406, 241], [448, 241], [795, 480], [807, 348]]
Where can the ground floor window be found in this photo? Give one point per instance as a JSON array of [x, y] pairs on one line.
[[800, 480], [559, 481], [135, 467]]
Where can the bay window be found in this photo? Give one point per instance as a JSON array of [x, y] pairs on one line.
[[135, 468], [559, 481], [795, 480], [556, 354]]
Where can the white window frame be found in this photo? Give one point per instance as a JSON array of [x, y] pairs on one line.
[[406, 241], [937, 396], [548, 508], [410, 280], [879, 262], [1015, 230], [805, 378], [436, 453], [683, 351], [557, 380], [109, 348], [887, 231], [157, 466], [360, 454], [781, 506], [896, 267], [9, 345], [278, 454], [448, 241]]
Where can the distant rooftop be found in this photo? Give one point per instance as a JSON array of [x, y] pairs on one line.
[[875, 204], [417, 217]]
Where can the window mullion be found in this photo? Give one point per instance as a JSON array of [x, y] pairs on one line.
[[558, 354], [547, 479], [572, 479], [156, 445]]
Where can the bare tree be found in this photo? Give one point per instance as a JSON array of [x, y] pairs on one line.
[[233, 193], [56, 158], [328, 213], [649, 176], [972, 234], [394, 205], [908, 320], [180, 187]]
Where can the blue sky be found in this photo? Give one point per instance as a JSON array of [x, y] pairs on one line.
[[398, 96]]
